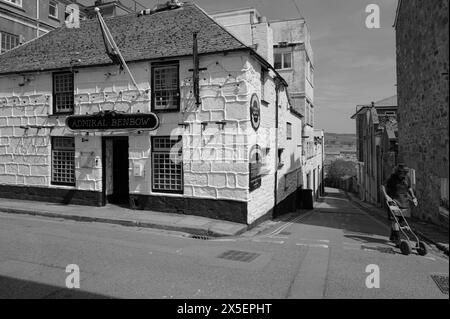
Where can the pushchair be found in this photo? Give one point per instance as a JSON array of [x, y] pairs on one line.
[[410, 240]]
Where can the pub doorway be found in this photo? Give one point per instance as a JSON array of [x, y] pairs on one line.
[[115, 170]]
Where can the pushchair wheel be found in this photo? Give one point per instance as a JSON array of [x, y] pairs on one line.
[[405, 248], [422, 250]]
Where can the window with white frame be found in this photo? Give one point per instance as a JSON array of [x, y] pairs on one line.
[[15, 2], [288, 131], [63, 161], [8, 41], [53, 9], [165, 87], [63, 93], [283, 60], [167, 165]]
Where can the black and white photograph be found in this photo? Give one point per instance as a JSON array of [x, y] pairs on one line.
[[224, 155]]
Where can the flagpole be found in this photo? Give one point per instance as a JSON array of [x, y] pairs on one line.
[[115, 47]]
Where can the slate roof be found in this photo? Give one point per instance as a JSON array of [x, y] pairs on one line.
[[162, 34], [387, 102]]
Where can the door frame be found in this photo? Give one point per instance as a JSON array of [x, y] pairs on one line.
[[104, 138]]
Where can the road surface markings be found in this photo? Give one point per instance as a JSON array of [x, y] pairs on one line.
[[310, 280], [268, 241], [318, 240], [313, 245], [286, 225]]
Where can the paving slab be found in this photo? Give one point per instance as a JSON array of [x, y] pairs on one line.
[[125, 216]]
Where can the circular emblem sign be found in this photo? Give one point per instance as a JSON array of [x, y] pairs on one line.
[[255, 112]]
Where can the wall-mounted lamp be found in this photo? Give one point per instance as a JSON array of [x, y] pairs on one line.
[[184, 125], [86, 138], [221, 125]]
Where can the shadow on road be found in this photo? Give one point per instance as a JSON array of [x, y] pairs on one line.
[[13, 288], [334, 210]]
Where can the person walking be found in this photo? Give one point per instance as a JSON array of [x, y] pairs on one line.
[[398, 188]]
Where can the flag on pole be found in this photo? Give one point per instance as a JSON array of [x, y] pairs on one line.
[[111, 47]]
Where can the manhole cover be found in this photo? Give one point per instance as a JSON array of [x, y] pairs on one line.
[[442, 282], [238, 255]]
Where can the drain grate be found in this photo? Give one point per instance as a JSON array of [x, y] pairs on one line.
[[442, 282], [285, 233], [238, 255], [202, 237], [384, 250]]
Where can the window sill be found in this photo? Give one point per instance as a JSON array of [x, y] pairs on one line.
[[54, 18], [60, 114], [286, 69], [62, 184], [159, 192], [166, 111], [15, 6]]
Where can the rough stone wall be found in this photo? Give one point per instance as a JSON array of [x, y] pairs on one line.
[[422, 84]]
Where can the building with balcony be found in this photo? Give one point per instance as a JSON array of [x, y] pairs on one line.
[[74, 128]]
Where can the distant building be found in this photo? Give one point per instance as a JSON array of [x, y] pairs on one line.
[[25, 20], [423, 96], [107, 9], [286, 44], [371, 122]]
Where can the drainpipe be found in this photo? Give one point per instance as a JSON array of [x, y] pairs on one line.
[[37, 18], [277, 90]]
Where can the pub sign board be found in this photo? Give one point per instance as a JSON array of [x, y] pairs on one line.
[[111, 120], [255, 112], [255, 166]]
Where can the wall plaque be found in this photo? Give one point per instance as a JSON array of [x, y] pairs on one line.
[[255, 112]]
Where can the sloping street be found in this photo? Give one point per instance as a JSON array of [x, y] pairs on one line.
[[322, 253]]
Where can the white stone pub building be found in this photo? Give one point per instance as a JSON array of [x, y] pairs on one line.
[[236, 156]]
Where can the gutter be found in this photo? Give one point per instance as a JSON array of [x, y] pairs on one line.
[[163, 58]]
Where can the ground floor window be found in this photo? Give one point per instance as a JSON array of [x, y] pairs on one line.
[[167, 165], [63, 161]]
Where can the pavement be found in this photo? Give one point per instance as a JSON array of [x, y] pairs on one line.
[[329, 252], [113, 214], [430, 233]]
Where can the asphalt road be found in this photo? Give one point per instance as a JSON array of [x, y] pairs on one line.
[[322, 253]]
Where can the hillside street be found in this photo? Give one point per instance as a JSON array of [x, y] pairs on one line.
[[321, 253]]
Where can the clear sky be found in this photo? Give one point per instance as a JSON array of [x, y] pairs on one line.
[[353, 65]]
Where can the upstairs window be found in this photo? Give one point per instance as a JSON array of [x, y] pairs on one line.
[[63, 93], [53, 9], [283, 60], [8, 41], [288, 131], [15, 2], [165, 87]]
